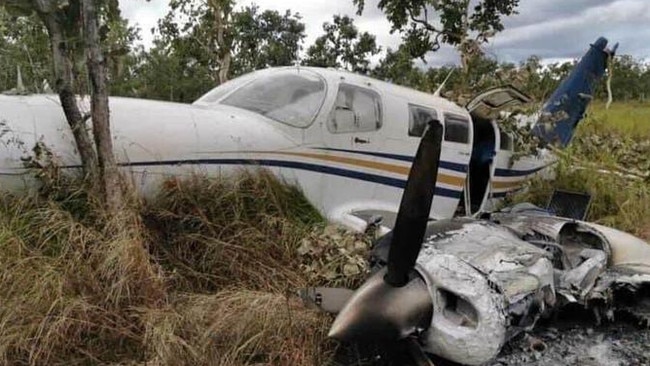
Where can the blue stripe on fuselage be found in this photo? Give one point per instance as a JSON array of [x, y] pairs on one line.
[[374, 178], [443, 164]]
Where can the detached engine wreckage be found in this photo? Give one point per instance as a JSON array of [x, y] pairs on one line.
[[462, 288]]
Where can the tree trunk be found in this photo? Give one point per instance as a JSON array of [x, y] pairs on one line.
[[221, 10], [225, 68], [64, 81], [100, 114]]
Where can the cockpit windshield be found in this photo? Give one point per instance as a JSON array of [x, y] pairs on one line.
[[291, 96], [214, 95]]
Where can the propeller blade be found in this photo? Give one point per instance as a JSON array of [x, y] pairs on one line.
[[379, 312], [414, 209], [395, 301]]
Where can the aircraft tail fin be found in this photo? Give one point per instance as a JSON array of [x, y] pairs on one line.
[[566, 107]]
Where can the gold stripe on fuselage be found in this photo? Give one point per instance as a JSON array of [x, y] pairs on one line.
[[391, 168], [508, 184]]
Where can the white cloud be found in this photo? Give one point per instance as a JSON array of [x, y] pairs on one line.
[[144, 14]]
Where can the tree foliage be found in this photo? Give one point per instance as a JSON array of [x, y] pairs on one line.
[[630, 79], [24, 45], [183, 63], [187, 59], [342, 46], [464, 24], [265, 39]]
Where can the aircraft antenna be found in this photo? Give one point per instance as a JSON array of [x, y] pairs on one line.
[[439, 90]]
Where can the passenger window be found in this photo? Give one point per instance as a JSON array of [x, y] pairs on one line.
[[506, 141], [355, 110], [456, 128], [419, 117]]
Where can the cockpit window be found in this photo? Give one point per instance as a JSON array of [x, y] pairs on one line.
[[456, 128], [293, 96], [224, 89]]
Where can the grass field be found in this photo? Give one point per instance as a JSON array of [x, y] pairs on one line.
[[203, 274], [631, 119]]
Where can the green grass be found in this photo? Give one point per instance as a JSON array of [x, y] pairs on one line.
[[631, 118]]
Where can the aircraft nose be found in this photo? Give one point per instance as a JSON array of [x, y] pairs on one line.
[[380, 312]]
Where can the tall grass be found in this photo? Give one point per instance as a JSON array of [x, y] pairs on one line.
[[630, 119], [202, 275]]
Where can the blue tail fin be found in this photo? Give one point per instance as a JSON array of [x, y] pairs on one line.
[[566, 106]]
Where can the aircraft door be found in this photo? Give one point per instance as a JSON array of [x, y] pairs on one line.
[[485, 110], [351, 135], [501, 181], [482, 165], [355, 119]]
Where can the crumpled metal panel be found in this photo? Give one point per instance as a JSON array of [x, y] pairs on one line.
[[491, 279], [476, 272], [507, 272], [470, 337]]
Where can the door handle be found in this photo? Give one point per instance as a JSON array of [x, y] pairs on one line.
[[360, 141]]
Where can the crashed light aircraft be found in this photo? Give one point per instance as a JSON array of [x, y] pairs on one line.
[[461, 288], [346, 140]]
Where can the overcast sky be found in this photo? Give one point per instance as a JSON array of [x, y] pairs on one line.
[[551, 29]]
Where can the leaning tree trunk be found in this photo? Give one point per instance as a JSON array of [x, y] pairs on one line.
[[100, 114], [64, 81]]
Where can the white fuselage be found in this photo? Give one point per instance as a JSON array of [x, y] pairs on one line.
[[348, 144]]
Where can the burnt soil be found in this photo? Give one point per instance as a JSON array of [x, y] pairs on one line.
[[572, 338], [577, 340]]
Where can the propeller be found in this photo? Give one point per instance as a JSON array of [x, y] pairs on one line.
[[395, 301]]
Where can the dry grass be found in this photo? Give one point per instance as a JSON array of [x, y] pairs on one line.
[[68, 290], [236, 327], [202, 276], [209, 232]]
